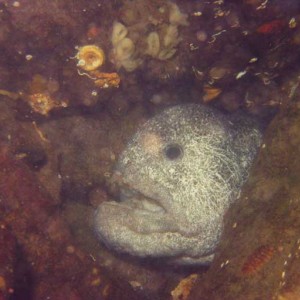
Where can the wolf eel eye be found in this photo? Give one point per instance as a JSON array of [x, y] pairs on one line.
[[173, 152]]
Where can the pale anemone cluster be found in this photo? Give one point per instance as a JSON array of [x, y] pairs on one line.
[[123, 52], [160, 43], [163, 45]]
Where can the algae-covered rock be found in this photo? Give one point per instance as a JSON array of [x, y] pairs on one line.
[[258, 257]]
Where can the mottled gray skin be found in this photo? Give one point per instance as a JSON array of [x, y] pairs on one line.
[[173, 201]]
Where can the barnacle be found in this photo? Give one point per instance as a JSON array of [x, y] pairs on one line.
[[90, 57]]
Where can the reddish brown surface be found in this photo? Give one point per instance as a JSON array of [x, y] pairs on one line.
[[271, 27], [257, 259], [7, 261], [59, 269], [267, 213]]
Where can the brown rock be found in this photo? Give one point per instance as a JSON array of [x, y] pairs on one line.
[[258, 257]]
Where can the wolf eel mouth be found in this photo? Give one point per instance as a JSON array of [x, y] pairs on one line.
[[134, 197]]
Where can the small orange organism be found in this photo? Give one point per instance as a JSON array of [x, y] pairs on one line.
[[93, 31], [43, 103], [210, 93], [257, 259], [106, 80]]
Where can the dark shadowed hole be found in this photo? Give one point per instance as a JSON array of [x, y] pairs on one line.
[[173, 151]]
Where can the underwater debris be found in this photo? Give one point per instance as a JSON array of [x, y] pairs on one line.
[[11, 95]]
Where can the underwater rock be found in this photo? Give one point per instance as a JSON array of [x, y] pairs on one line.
[[258, 255], [178, 176], [37, 18], [55, 263], [8, 258]]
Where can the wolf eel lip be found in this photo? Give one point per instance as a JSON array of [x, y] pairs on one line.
[[135, 198], [138, 200]]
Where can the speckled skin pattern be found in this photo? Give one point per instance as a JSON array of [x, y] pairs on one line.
[[179, 174]]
